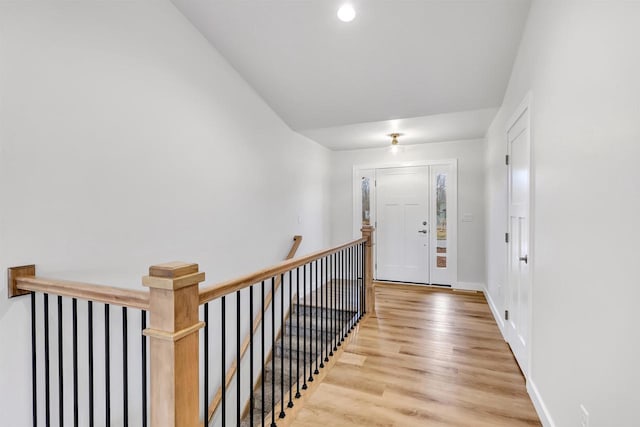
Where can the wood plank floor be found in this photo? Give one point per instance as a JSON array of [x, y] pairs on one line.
[[429, 358]]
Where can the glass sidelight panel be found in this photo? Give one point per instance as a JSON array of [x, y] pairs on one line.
[[366, 203], [441, 220]]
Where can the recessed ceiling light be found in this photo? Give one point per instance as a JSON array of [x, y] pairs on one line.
[[346, 13]]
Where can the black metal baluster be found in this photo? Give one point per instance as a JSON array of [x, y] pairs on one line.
[[334, 335], [341, 298], [290, 403], [273, 352], [223, 371], [298, 333], [313, 312], [143, 326], [205, 397], [314, 350], [251, 398], [328, 308], [364, 283], [355, 289], [107, 368], [358, 278], [47, 390], [343, 295], [354, 303], [363, 263], [304, 329], [60, 367], [351, 288], [238, 358], [354, 284], [323, 263], [34, 362], [360, 282], [74, 314], [90, 339], [125, 369], [338, 295], [282, 414], [262, 361], [349, 291], [324, 295]]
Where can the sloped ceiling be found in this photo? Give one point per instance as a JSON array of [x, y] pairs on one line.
[[396, 60]]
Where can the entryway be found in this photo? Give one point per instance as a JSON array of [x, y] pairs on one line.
[[414, 210]]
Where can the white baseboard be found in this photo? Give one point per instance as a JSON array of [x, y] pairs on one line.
[[469, 286], [494, 310], [532, 390], [538, 403]]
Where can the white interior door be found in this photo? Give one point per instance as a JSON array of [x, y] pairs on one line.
[[403, 224], [519, 279]]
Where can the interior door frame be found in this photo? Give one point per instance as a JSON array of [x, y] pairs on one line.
[[357, 203], [524, 106]]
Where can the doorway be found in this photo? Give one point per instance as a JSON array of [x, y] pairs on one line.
[[403, 224], [518, 314], [414, 212]]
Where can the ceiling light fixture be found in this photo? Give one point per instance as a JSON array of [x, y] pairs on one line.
[[346, 13], [394, 142]]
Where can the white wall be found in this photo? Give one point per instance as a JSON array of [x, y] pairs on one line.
[[580, 60], [470, 155], [125, 141]]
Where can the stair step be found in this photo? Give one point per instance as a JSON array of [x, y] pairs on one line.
[[304, 347], [322, 311], [308, 315], [268, 386], [291, 325]]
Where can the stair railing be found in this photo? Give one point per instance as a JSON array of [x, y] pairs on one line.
[[86, 366], [322, 298], [217, 398], [83, 332]]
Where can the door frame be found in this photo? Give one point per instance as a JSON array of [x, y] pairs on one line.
[[524, 106], [357, 203]]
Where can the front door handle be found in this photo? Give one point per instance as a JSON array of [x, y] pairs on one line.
[[525, 259], [422, 231]]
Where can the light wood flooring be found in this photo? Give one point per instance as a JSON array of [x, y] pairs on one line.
[[429, 358]]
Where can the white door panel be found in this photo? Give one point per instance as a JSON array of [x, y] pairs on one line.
[[403, 205], [519, 280]]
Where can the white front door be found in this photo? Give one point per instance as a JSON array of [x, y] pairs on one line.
[[403, 224], [519, 279]]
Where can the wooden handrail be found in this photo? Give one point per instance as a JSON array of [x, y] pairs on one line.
[[97, 293], [217, 398], [172, 303], [211, 292]]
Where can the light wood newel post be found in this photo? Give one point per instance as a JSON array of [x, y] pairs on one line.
[[367, 233], [173, 343]]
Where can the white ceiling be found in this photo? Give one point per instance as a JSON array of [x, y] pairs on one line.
[[397, 59], [418, 130]]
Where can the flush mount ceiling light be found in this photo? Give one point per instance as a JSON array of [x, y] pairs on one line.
[[346, 13], [394, 142]]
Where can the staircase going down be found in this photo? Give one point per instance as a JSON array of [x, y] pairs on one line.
[[308, 340]]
